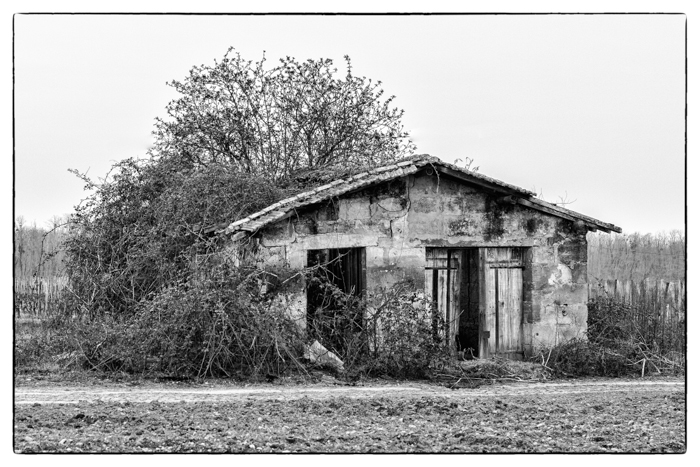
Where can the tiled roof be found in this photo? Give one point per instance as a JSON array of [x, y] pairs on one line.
[[405, 167]]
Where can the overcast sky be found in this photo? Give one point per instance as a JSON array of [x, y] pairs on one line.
[[584, 107]]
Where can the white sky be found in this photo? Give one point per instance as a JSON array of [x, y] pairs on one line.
[[587, 107]]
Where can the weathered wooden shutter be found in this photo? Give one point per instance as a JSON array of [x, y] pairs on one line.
[[503, 293], [442, 286], [346, 267], [352, 267]]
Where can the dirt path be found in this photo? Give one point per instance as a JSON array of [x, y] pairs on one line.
[[226, 393]]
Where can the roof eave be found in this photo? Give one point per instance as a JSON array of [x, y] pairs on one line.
[[482, 181], [555, 210]]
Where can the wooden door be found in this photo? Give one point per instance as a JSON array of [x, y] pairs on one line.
[[442, 287], [501, 324]]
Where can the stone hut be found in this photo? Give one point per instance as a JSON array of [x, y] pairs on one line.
[[506, 270]]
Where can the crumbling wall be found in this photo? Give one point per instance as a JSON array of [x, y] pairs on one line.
[[397, 220], [558, 288]]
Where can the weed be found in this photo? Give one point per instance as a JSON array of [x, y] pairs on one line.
[[392, 332], [615, 345]]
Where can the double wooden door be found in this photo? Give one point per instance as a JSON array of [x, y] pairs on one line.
[[484, 284]]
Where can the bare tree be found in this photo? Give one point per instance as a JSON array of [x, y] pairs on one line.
[[275, 121]]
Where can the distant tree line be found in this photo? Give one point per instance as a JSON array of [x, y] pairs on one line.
[[637, 256], [38, 252]]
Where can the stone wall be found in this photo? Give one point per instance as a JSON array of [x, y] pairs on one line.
[[397, 220]]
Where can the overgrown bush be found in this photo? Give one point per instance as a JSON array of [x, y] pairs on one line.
[[239, 137], [40, 344], [615, 345], [226, 321], [393, 332], [139, 232], [31, 343], [407, 334], [222, 325], [222, 322], [580, 357], [611, 319]]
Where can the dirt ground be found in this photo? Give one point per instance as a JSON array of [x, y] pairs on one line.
[[581, 416]]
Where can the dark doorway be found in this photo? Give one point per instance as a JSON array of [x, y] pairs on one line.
[[452, 283], [334, 309], [468, 337]]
